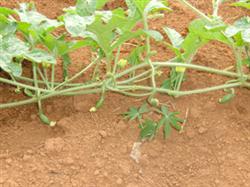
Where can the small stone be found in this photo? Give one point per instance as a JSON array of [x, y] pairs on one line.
[[2, 180], [96, 172], [8, 160], [68, 161], [202, 130], [26, 157], [30, 151], [119, 181], [105, 174], [217, 181], [103, 134]]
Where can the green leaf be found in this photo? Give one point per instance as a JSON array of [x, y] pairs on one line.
[[167, 130], [86, 7], [11, 47], [246, 35], [39, 22], [66, 62], [107, 33], [40, 56], [246, 61], [155, 5], [198, 28], [100, 3], [7, 27], [7, 11], [134, 57], [76, 25], [232, 31], [242, 3], [5, 60], [136, 113], [175, 38], [191, 44], [148, 129], [154, 34]]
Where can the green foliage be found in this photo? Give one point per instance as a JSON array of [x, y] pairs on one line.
[[136, 113], [149, 128], [26, 34], [239, 31], [242, 3]]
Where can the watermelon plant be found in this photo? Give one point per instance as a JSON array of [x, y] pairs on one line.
[[28, 37]]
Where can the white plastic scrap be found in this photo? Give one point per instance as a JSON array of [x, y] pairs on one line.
[[136, 152]]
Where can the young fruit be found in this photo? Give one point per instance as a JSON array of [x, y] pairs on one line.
[[154, 102], [122, 63], [46, 65]]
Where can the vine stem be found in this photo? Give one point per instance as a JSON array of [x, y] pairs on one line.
[[76, 90], [21, 85], [76, 75], [34, 66], [52, 76], [194, 9], [148, 51], [177, 64]]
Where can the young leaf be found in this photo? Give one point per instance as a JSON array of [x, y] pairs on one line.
[[242, 3], [6, 11], [86, 7], [175, 38], [136, 113], [155, 5], [37, 21], [167, 130], [76, 25], [154, 34], [148, 129], [40, 56], [246, 35]]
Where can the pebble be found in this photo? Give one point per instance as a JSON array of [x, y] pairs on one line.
[[202, 130], [2, 180], [68, 161], [217, 181], [96, 172], [8, 160], [26, 157], [103, 134], [119, 181]]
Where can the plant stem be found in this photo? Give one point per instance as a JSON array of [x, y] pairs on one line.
[[182, 93], [180, 80], [42, 82], [34, 66], [43, 77], [177, 64], [7, 81], [76, 75], [117, 59], [198, 12], [239, 65], [52, 76], [148, 51]]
